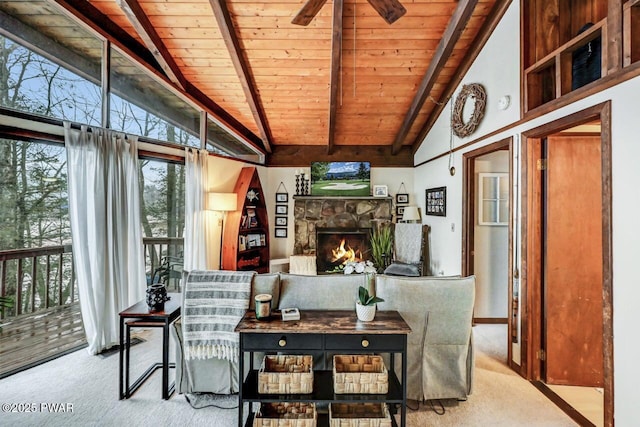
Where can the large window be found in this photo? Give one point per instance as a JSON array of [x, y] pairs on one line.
[[35, 236], [141, 106], [30, 82], [33, 195], [162, 204], [162, 216]]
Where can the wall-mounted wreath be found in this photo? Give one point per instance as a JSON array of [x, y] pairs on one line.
[[479, 97]]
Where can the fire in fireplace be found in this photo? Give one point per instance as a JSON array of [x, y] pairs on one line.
[[337, 246]]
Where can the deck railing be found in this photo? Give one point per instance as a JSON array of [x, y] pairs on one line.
[[166, 252], [40, 278], [37, 278]]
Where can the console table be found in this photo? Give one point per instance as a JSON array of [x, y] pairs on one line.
[[326, 331]]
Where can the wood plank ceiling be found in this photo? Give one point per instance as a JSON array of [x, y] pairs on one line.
[[366, 90]]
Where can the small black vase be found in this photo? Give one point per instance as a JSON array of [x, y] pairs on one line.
[[156, 297]]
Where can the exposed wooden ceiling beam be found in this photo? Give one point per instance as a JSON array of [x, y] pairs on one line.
[[308, 12], [85, 12], [147, 32], [490, 24], [390, 10], [303, 155], [336, 60], [451, 35], [243, 70]]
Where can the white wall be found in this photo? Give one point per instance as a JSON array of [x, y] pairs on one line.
[[497, 68]]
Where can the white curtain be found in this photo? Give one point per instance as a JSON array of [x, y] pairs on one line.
[[195, 242], [104, 209]]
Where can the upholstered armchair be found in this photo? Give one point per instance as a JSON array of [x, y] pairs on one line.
[[411, 250]]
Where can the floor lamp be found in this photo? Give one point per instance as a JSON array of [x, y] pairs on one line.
[[222, 202]]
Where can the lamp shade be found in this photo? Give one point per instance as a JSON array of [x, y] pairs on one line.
[[411, 213], [223, 202]]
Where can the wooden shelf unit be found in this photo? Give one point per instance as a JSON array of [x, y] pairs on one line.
[[550, 37], [551, 77], [551, 34], [631, 28], [245, 243]]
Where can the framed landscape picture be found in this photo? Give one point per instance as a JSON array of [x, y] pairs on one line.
[[281, 232], [436, 201], [281, 221], [282, 197], [340, 178]]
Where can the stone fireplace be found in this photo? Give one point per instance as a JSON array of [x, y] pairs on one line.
[[337, 246], [339, 214]]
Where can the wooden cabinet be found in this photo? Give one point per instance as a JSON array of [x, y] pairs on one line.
[[562, 47], [245, 244]]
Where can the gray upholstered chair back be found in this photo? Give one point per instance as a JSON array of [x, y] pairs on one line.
[[411, 250]]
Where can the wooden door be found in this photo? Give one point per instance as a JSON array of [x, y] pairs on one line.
[[573, 273]]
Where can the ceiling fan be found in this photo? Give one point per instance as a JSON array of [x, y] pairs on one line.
[[390, 10]]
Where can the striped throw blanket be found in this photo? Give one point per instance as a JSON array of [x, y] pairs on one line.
[[213, 304]]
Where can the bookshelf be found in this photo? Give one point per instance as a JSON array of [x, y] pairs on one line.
[[245, 244]]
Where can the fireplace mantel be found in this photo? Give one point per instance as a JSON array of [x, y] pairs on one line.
[[340, 198]]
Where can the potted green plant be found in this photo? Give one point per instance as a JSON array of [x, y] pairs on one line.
[[366, 305], [381, 242]]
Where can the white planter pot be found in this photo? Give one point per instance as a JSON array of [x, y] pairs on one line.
[[365, 313]]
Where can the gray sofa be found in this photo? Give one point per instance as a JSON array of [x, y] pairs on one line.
[[438, 310]]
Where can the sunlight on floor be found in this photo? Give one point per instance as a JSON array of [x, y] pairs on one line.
[[589, 401]]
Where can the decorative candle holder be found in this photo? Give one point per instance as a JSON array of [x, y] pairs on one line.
[[298, 189], [156, 297]]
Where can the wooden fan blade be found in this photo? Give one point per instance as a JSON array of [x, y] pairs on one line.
[[308, 12], [390, 10]]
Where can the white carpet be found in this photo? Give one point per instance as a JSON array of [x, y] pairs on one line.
[[90, 385]]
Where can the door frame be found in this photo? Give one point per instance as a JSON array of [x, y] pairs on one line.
[[531, 320], [469, 205]]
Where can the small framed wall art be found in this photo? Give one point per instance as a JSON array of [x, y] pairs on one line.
[[400, 211], [281, 221], [281, 232], [402, 198], [282, 203], [380, 191], [436, 201]]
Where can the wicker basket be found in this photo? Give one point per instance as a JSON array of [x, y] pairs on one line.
[[286, 374], [286, 414], [360, 374], [359, 415]]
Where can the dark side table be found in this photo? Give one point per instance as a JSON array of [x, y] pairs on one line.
[[139, 316]]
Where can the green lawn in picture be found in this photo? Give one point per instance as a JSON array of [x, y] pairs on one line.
[[337, 187]]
